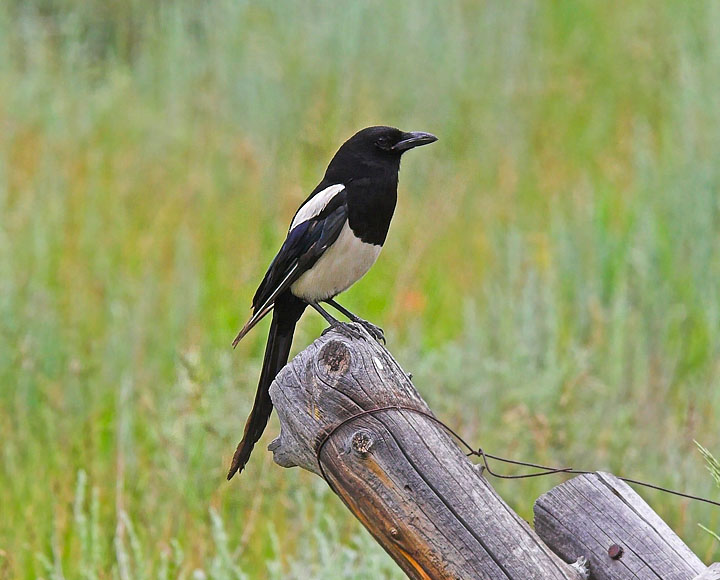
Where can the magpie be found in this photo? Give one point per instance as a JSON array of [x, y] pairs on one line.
[[333, 240]]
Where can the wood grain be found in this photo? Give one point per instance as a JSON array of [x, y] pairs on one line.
[[587, 515]]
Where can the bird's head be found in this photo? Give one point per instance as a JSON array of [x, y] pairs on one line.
[[377, 147]]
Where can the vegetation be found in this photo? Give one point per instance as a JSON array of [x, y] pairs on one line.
[[713, 466], [552, 276]]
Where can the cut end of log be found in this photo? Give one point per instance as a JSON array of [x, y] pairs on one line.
[[301, 390]]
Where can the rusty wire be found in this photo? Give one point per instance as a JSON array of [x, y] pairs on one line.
[[479, 452]]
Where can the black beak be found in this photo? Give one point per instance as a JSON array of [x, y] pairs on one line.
[[414, 139]]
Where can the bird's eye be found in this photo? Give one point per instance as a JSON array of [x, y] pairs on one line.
[[383, 143]]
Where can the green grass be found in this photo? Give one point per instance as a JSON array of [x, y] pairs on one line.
[[552, 276]]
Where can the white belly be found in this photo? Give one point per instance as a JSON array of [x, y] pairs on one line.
[[343, 264]]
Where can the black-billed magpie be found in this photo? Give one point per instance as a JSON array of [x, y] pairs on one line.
[[334, 238]]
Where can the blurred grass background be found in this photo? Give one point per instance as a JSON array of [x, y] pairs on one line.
[[552, 276]]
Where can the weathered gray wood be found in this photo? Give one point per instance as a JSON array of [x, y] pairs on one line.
[[586, 515], [712, 573], [399, 472]]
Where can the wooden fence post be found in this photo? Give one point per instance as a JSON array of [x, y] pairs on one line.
[[350, 414], [600, 517], [398, 471]]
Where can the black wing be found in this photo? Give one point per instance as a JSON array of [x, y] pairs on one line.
[[303, 246]]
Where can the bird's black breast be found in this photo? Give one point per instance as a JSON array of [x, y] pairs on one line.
[[371, 204]]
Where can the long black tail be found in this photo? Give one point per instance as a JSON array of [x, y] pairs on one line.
[[287, 312]]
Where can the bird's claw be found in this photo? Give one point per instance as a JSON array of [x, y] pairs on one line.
[[375, 331], [349, 330], [344, 328]]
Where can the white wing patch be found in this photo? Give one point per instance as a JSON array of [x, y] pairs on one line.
[[316, 204]]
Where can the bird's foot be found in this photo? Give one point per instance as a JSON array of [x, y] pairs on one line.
[[375, 331], [345, 328], [349, 330], [329, 328]]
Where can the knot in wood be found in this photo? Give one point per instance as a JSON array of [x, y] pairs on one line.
[[335, 357], [362, 442], [395, 535]]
